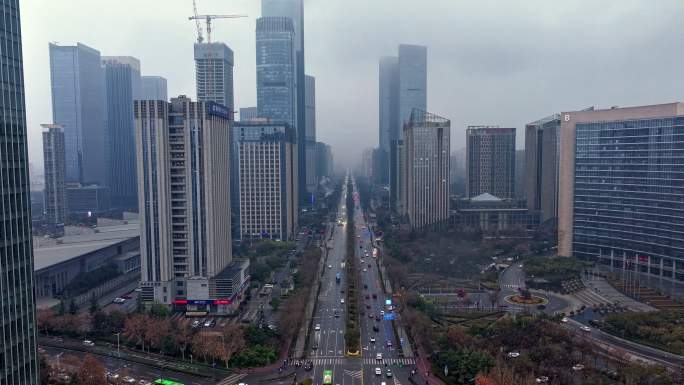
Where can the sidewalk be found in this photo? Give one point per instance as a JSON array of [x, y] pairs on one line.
[[424, 368]]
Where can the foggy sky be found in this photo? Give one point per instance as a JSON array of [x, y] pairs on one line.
[[489, 62]]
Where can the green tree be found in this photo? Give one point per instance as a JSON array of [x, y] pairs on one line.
[[158, 310], [275, 303], [463, 365]]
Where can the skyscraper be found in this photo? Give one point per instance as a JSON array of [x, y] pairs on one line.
[[620, 192], [268, 205], [276, 76], [541, 166], [55, 170], [122, 85], [412, 82], [214, 74], [490, 161], [153, 88], [294, 9], [78, 104], [311, 179], [426, 169], [248, 113], [388, 125], [182, 151], [18, 361]]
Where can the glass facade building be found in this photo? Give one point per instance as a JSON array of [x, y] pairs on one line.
[[78, 104], [214, 74], [629, 194], [122, 84], [412, 82], [18, 361], [153, 88]]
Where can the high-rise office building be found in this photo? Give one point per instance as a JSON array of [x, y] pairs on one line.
[[122, 85], [248, 113], [490, 161], [541, 166], [268, 204], [214, 74], [310, 139], [276, 77], [621, 198], [388, 101], [184, 199], [324, 160], [153, 88], [78, 104], [412, 82], [397, 183], [55, 170], [426, 153], [519, 180], [294, 10], [18, 360]]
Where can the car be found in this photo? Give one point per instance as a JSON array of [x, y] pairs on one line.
[[358, 236], [207, 323], [365, 286], [308, 366], [317, 327], [341, 300], [586, 328], [375, 328], [372, 340], [368, 306], [564, 320], [520, 266], [513, 354], [542, 380], [377, 317], [113, 377], [378, 356], [362, 261], [365, 270], [370, 315], [88, 343], [369, 265], [329, 266], [118, 300], [128, 380], [367, 296], [127, 296], [195, 324], [382, 312], [388, 343], [388, 374], [378, 372], [375, 296], [577, 367]]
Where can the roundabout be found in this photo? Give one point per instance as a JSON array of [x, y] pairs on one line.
[[519, 299]]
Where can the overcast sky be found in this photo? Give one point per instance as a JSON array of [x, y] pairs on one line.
[[489, 62]]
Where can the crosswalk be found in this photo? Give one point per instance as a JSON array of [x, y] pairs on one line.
[[232, 379], [353, 373], [340, 360]]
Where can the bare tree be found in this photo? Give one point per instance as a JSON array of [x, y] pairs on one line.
[[92, 372]]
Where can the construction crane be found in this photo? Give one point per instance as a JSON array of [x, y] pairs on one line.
[[207, 19], [200, 39]]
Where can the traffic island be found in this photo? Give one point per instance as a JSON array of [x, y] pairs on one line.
[[520, 299]]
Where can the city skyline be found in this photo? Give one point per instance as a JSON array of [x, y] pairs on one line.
[[456, 66]]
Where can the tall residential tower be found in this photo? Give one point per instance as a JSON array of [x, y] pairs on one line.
[[214, 74], [55, 170], [490, 161]]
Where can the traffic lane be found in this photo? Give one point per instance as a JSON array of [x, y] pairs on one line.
[[137, 371]]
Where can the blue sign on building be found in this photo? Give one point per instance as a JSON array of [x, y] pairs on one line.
[[219, 110]]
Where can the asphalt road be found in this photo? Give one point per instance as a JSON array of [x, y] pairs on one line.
[[330, 352]]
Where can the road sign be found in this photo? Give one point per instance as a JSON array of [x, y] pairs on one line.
[[389, 317]]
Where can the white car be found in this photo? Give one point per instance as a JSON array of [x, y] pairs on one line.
[[329, 266], [586, 328], [317, 327], [364, 270], [341, 300], [378, 372], [564, 320], [88, 343], [513, 354], [372, 340], [207, 323], [542, 380], [578, 367], [378, 356], [382, 312], [144, 382], [119, 300], [129, 380]]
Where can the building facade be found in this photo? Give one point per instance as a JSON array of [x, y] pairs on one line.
[[248, 113], [214, 74], [18, 357], [153, 88], [324, 160], [621, 197], [310, 138], [89, 201], [78, 104], [412, 82], [268, 203], [490, 161], [122, 85], [426, 169], [55, 170], [294, 10], [490, 214], [542, 143], [183, 180]]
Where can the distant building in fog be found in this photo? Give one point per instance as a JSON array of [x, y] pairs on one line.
[[153, 88], [490, 161], [248, 113], [519, 174]]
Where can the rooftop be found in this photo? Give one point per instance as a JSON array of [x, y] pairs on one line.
[[485, 197], [48, 252]]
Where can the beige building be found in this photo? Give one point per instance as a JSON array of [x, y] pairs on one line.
[[184, 199], [425, 161], [267, 187]]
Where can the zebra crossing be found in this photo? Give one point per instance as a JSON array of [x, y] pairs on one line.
[[232, 379], [340, 360], [353, 373]]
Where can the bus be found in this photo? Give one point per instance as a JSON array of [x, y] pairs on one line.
[[162, 381], [327, 377]]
